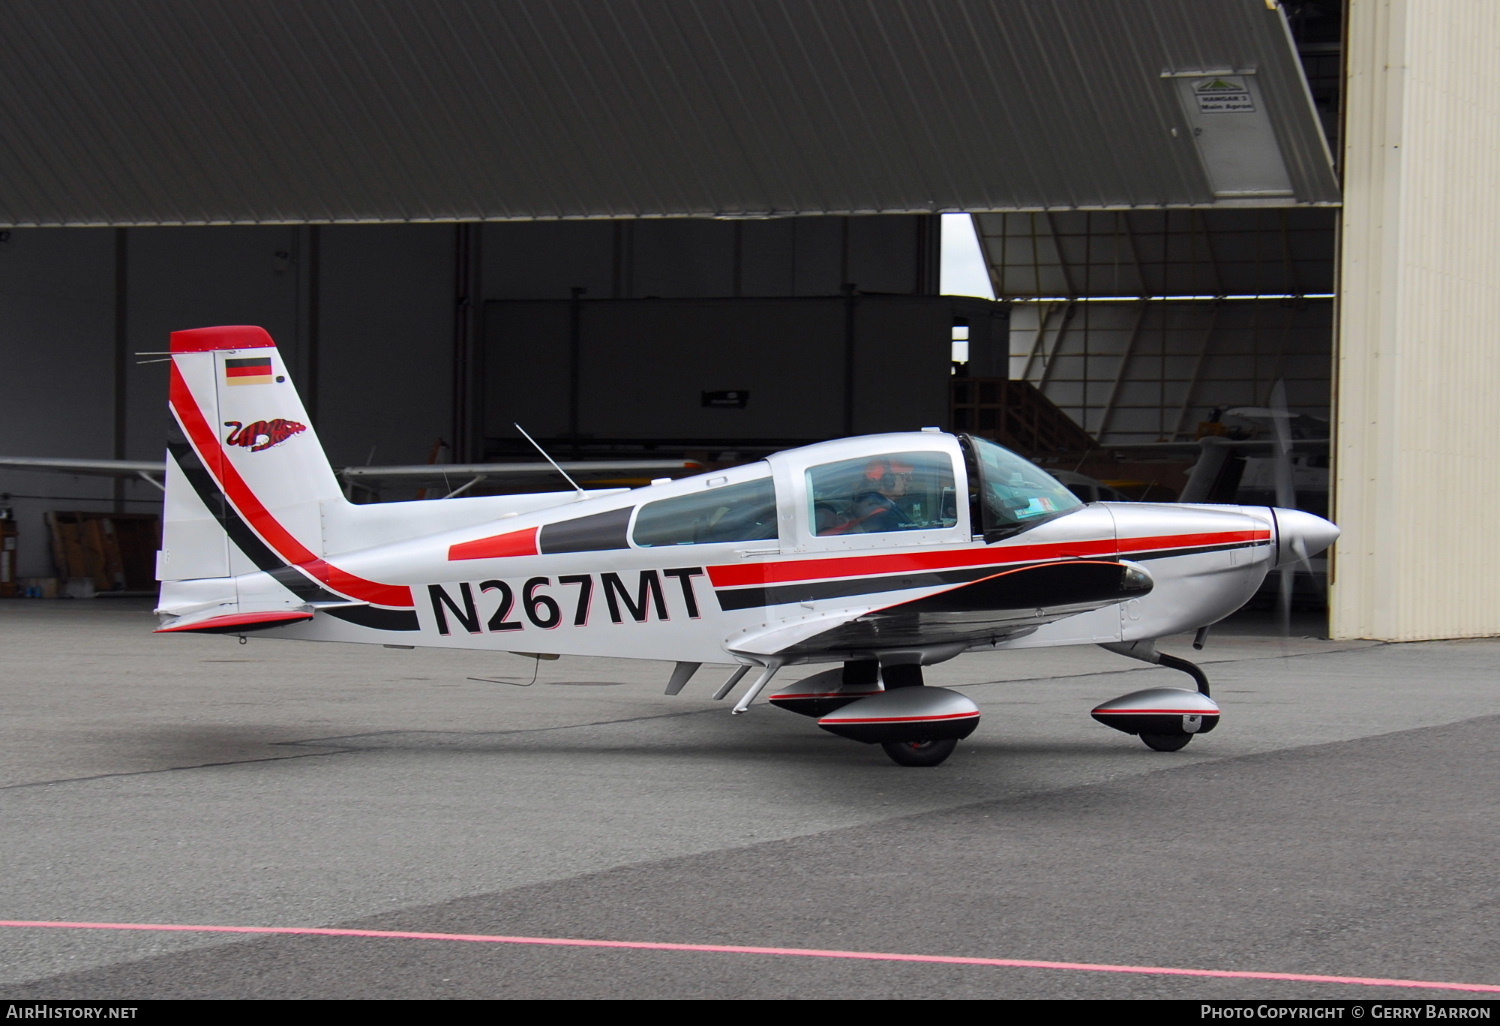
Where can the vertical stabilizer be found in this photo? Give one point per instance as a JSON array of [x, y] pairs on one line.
[[243, 456], [249, 491]]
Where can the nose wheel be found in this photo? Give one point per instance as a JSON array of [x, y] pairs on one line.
[[920, 753], [1166, 719], [1166, 742]]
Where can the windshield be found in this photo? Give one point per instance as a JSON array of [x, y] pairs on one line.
[[1008, 493]]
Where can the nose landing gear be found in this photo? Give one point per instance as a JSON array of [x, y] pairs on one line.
[[1166, 742], [1166, 719]]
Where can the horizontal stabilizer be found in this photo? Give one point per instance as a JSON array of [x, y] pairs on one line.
[[236, 623]]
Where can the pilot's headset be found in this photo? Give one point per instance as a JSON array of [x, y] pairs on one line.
[[881, 475]]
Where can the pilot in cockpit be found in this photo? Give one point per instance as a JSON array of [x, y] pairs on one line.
[[903, 491], [878, 507]]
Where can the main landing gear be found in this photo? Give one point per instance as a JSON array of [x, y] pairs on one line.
[[915, 725], [1166, 719], [919, 753], [886, 703]]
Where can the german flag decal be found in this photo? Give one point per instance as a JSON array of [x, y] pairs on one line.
[[255, 371]]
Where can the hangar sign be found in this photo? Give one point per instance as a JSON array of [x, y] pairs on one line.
[[1240, 155], [1223, 96]]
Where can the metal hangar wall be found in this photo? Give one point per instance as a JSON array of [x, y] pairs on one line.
[[1419, 298]]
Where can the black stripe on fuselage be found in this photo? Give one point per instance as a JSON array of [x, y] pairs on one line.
[[1150, 554], [812, 591], [266, 560], [598, 532]]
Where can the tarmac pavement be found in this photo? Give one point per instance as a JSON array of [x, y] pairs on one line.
[[1339, 822]]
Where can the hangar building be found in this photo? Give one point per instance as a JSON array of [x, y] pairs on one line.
[[586, 216]]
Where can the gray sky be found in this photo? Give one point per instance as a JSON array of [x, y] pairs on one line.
[[963, 268]]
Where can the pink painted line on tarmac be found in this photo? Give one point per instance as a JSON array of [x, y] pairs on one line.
[[738, 949]]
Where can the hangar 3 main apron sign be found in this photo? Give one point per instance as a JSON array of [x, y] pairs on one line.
[[882, 554]]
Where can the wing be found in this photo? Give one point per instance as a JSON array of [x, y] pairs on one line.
[[152, 471], [990, 609], [457, 478]]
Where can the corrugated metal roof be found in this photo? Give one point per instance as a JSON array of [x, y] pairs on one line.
[[233, 111]]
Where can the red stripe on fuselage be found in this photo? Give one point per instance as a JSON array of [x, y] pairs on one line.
[[796, 570], [261, 519], [516, 543]]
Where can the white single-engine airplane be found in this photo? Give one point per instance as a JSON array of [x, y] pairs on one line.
[[884, 554]]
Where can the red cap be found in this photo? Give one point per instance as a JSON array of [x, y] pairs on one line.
[[231, 336]]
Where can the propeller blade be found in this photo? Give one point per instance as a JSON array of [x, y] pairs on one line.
[[1304, 559], [1286, 497], [1288, 582], [1281, 420], [1300, 552]]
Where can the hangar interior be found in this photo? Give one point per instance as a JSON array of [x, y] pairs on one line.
[[593, 244], [604, 337], [394, 354], [1140, 323]]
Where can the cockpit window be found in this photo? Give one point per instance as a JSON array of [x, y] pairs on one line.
[[732, 512], [904, 491], [1008, 492]]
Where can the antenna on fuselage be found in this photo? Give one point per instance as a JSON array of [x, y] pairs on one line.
[[549, 459]]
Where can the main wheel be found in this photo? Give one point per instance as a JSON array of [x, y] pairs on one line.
[[1166, 742], [919, 753]]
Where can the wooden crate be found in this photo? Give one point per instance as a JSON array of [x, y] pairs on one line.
[[117, 551], [9, 586]]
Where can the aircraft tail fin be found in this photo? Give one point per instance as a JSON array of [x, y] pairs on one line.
[[246, 476], [251, 499]]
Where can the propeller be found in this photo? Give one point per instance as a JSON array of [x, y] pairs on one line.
[[1286, 498]]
